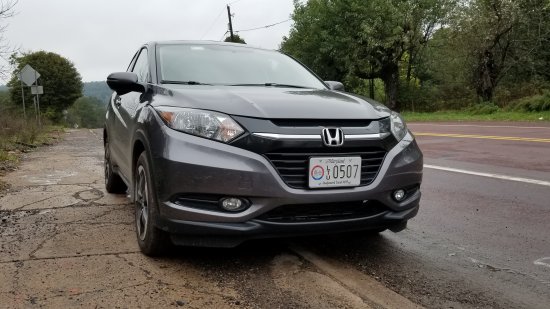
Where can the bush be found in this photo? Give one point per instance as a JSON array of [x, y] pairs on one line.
[[536, 103], [483, 108], [16, 131], [511, 92]]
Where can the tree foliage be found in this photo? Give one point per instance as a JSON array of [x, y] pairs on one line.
[[236, 39], [61, 81], [500, 36], [428, 54], [347, 39], [98, 90], [86, 112]]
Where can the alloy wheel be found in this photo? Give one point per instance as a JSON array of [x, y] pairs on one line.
[[142, 203], [107, 163]]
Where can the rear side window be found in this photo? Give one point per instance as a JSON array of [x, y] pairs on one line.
[[141, 68]]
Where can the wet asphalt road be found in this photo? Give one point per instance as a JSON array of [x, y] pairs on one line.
[[478, 242]]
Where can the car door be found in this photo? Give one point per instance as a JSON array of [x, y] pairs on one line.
[[125, 109]]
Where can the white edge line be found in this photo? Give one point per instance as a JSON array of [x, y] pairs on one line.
[[490, 175]]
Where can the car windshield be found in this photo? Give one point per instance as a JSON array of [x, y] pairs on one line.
[[232, 65]]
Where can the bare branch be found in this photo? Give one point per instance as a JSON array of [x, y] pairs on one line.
[[7, 10]]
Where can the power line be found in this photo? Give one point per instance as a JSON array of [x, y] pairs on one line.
[[212, 24], [263, 27], [234, 2]]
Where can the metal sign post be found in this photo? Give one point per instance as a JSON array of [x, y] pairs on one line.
[[29, 77], [37, 99], [23, 98]]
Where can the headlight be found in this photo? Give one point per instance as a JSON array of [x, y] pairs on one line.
[[201, 123], [395, 124], [398, 127]]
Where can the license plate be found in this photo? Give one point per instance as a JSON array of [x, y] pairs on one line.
[[328, 172]]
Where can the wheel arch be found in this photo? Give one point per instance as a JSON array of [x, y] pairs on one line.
[[140, 145]]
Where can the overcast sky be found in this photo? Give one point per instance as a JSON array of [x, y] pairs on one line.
[[100, 36]]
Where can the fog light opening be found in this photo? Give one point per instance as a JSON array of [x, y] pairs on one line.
[[399, 195], [233, 204]]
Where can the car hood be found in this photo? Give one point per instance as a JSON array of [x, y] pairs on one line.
[[271, 102]]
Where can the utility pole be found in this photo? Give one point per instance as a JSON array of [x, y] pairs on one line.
[[230, 23]]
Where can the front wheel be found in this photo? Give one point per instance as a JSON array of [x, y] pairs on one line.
[[152, 241]]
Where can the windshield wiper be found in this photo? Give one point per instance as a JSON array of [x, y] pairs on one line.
[[271, 85], [177, 82]]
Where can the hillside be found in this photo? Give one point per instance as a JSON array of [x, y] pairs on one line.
[[98, 90]]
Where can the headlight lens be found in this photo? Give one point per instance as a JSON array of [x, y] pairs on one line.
[[395, 125], [398, 126], [208, 124]]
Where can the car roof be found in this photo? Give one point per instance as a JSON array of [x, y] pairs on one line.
[[191, 42]]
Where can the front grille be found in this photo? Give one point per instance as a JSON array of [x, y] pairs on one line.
[[293, 166], [323, 212]]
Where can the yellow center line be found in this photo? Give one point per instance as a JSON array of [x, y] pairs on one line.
[[505, 138]]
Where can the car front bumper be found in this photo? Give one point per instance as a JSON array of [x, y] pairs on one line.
[[193, 165]]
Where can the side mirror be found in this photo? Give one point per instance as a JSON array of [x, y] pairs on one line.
[[124, 82], [338, 86]]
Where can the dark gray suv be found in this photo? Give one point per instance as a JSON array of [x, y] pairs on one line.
[[219, 143]]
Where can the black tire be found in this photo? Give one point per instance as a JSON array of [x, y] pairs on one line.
[[113, 182], [152, 241]]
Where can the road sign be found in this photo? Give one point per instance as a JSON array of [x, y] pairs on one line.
[[37, 89], [28, 75]]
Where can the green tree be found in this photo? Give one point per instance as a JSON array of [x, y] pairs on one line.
[[500, 39], [86, 112], [61, 81], [349, 39], [236, 39]]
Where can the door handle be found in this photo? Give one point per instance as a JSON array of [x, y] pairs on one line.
[[118, 101]]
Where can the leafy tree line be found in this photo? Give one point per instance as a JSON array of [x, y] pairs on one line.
[[61, 82], [86, 112], [236, 39], [428, 54], [64, 101]]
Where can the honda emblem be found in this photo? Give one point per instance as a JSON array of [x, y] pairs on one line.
[[332, 137]]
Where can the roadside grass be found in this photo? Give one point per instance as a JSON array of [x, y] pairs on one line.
[[469, 116], [18, 136]]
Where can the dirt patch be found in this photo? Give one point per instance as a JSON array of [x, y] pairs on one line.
[[11, 153]]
